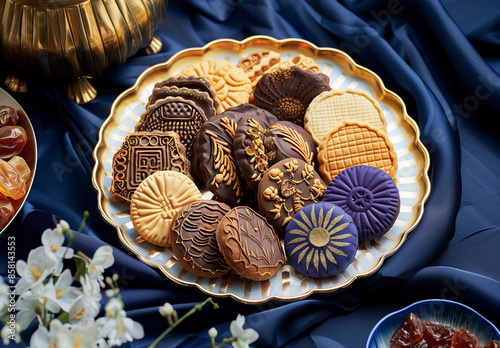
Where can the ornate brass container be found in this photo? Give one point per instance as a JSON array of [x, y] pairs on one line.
[[69, 41]]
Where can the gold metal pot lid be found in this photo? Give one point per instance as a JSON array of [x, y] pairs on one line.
[[412, 176]]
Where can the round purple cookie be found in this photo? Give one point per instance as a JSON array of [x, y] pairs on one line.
[[321, 240], [369, 195]]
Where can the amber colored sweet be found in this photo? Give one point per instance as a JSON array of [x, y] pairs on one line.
[[12, 141], [21, 166], [463, 338], [8, 116], [409, 333], [437, 334], [6, 211], [11, 183], [492, 344]]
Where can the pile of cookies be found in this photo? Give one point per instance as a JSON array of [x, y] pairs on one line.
[[297, 172]]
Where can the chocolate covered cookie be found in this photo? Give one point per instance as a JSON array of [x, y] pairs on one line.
[[213, 154], [142, 154], [369, 195], [174, 114], [258, 147], [194, 240], [287, 93], [287, 187], [321, 240], [249, 244]]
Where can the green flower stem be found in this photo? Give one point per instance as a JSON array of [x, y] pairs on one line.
[[193, 310], [223, 342]]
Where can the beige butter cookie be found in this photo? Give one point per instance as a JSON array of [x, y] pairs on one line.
[[156, 202]]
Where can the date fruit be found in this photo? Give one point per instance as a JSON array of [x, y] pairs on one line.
[[11, 183], [408, 334], [12, 141], [8, 116]]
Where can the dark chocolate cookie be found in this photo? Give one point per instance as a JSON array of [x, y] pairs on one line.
[[194, 241], [287, 187], [257, 147], [369, 195], [249, 244], [287, 93], [213, 157], [143, 154], [321, 240], [174, 114]]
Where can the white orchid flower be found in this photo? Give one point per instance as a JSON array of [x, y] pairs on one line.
[[8, 332], [102, 259], [53, 240], [119, 329], [66, 335], [36, 270], [60, 295], [242, 337], [29, 305], [4, 294]]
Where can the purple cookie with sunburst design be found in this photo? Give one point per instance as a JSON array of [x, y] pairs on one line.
[[321, 240], [369, 195]]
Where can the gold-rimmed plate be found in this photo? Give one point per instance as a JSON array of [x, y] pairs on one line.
[[412, 176]]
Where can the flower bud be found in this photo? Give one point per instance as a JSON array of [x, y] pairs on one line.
[[212, 332], [166, 310]]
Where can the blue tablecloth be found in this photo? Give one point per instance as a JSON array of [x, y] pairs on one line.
[[441, 57]]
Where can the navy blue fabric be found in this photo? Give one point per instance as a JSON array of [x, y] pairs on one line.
[[441, 57]]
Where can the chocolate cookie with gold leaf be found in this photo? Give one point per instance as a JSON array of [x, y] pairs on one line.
[[213, 155], [258, 147], [287, 187], [194, 242]]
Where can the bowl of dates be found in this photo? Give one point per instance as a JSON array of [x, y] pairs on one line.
[[434, 323], [18, 156]]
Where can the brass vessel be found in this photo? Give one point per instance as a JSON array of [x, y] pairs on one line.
[[70, 41]]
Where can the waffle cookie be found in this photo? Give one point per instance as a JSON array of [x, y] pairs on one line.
[[193, 238], [286, 93], [352, 143], [156, 202], [142, 154], [231, 83], [321, 240], [330, 108]]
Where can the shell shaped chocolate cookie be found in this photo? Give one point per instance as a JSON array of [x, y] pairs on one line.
[[369, 195], [231, 83], [156, 202], [353, 143], [249, 244], [321, 240], [257, 147], [333, 107], [287, 93], [194, 242], [174, 114], [140, 155], [287, 187], [214, 156]]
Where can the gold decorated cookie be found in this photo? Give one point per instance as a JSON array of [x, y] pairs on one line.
[[303, 62], [231, 83], [156, 202], [256, 64], [352, 143], [330, 108]]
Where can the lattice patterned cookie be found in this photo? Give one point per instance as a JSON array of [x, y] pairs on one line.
[[353, 143]]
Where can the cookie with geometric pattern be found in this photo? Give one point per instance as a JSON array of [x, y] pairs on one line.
[[140, 155], [156, 202], [330, 108], [353, 143]]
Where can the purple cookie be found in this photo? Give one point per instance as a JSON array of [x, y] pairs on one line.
[[321, 240], [369, 195]]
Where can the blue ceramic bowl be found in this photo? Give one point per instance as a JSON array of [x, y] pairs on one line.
[[445, 312]]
